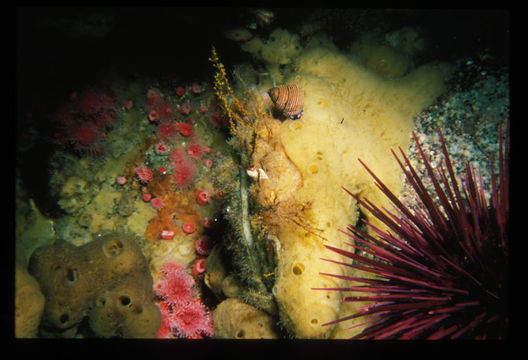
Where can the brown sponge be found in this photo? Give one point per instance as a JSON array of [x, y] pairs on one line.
[[106, 280]]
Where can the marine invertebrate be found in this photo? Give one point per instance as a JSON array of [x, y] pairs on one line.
[[202, 245], [84, 136], [199, 266], [188, 228], [184, 168], [144, 173], [185, 109], [176, 286], [168, 130], [195, 151], [439, 271], [65, 274], [203, 196], [157, 108], [121, 180], [191, 319], [196, 88], [182, 313], [157, 203], [84, 121], [288, 99], [180, 91], [161, 148], [185, 129], [167, 234]]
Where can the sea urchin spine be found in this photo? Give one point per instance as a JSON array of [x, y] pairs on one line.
[[439, 271]]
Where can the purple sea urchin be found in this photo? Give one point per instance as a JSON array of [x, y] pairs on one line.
[[439, 271]]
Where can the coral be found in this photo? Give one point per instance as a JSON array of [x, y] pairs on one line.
[[74, 278], [234, 319], [29, 304], [440, 271]]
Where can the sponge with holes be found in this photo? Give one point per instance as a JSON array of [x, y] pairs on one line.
[[106, 281]]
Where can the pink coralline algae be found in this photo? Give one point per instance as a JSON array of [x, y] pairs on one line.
[[183, 315]]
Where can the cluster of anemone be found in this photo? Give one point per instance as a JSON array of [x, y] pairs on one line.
[[183, 314]]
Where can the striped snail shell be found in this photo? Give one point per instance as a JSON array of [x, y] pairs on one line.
[[288, 99]]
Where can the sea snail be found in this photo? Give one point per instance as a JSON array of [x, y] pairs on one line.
[[288, 99]]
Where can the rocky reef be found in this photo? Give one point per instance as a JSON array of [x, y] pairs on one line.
[[203, 209]]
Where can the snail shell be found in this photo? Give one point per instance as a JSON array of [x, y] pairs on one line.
[[288, 99]]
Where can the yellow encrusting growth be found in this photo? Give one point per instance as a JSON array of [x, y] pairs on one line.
[[356, 106]]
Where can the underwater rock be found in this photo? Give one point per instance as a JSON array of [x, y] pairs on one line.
[[215, 272], [92, 280], [234, 319], [126, 205], [29, 304]]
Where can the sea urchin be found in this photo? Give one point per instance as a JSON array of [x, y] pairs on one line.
[[439, 271]]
